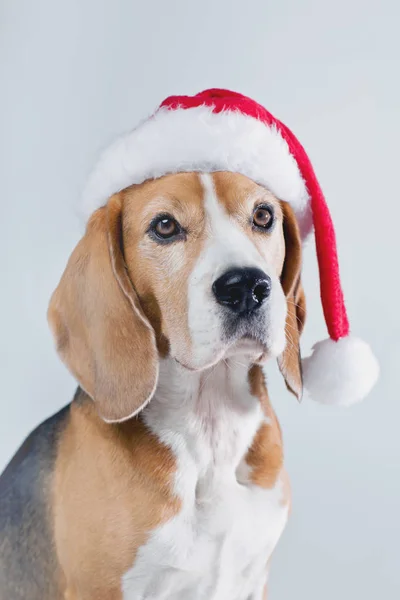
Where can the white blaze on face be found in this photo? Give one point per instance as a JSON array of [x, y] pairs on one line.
[[227, 246]]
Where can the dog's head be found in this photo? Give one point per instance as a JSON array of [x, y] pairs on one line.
[[199, 267]]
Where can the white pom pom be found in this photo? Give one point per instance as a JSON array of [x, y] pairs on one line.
[[340, 373]]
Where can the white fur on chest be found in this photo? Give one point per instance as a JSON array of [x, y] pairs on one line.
[[218, 545]]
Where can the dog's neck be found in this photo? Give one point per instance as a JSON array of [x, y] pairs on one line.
[[212, 415]]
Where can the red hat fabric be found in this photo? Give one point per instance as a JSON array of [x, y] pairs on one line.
[[218, 130]]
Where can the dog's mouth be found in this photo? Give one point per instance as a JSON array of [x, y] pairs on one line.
[[245, 332], [247, 347], [254, 335], [248, 339]]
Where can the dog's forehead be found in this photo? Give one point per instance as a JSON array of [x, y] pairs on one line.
[[171, 193], [236, 192], [186, 195]]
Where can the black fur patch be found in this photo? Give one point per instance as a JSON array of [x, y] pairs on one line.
[[28, 565]]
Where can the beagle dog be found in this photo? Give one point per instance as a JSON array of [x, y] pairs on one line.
[[164, 477]]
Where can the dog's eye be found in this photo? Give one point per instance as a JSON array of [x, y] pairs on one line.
[[165, 228], [263, 217]]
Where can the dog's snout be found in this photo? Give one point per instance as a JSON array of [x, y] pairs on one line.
[[242, 290]]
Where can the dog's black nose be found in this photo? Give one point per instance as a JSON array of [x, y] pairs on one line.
[[242, 290]]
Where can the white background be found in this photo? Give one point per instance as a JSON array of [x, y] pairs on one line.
[[75, 73]]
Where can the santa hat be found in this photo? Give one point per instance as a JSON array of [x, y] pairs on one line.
[[219, 130]]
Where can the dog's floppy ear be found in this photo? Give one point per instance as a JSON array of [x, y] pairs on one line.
[[101, 332], [290, 360]]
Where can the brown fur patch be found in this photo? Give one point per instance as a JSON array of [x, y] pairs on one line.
[[265, 456], [160, 272], [105, 503], [290, 361]]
